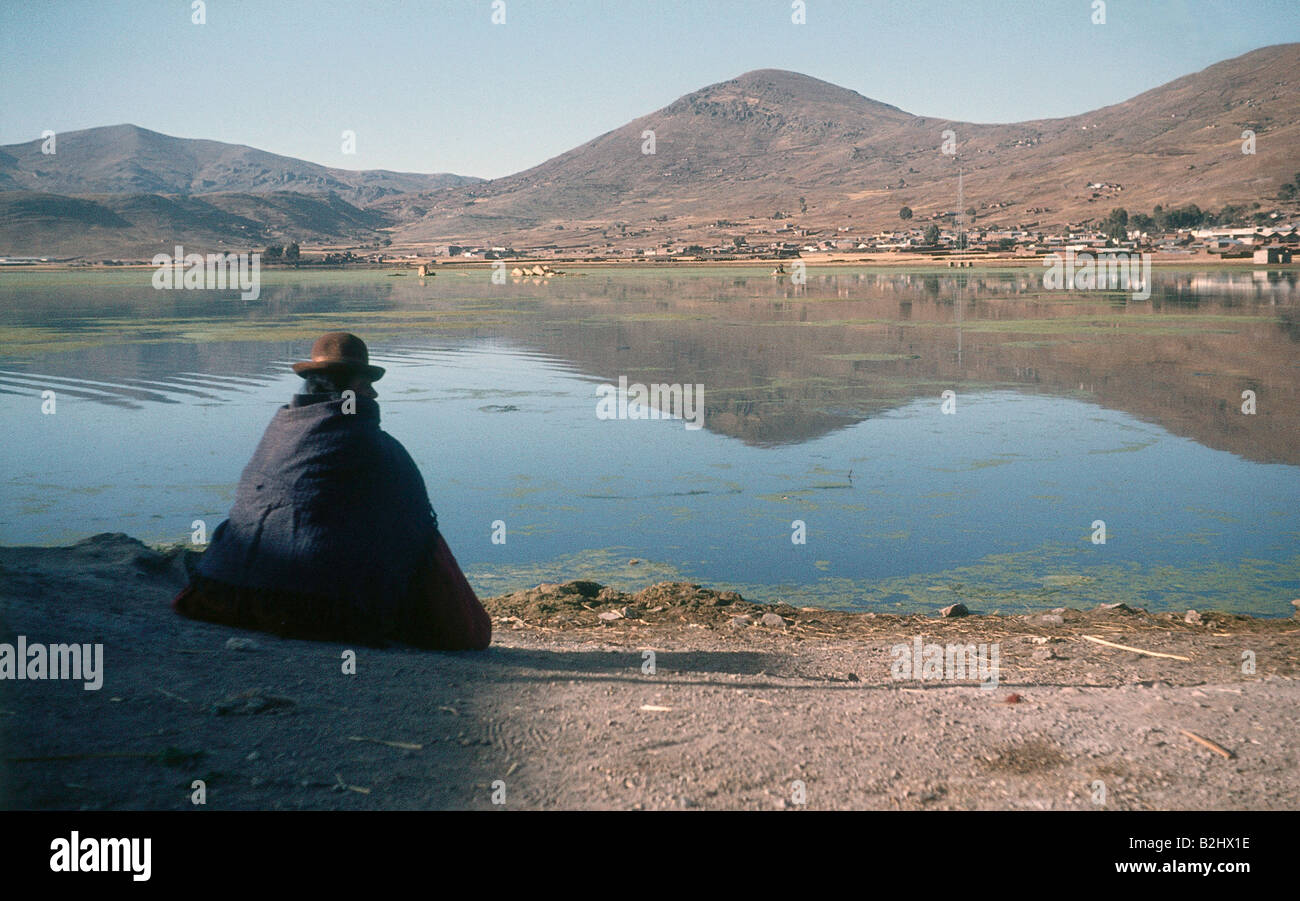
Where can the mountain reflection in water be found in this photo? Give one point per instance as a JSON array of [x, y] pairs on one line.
[[1070, 408]]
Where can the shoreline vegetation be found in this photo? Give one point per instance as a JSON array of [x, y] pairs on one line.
[[670, 697], [975, 594], [581, 603]]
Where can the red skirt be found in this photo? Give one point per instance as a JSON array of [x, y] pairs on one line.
[[441, 611]]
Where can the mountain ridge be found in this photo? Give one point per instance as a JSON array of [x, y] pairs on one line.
[[851, 156], [127, 158], [767, 145]]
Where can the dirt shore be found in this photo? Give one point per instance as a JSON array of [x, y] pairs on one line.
[[673, 697]]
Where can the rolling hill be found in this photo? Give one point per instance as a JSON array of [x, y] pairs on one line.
[[127, 159], [136, 226]]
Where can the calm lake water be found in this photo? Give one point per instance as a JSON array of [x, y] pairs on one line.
[[822, 405]]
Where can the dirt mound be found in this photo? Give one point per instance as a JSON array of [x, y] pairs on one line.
[[584, 603]]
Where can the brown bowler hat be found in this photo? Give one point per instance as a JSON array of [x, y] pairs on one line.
[[340, 352]]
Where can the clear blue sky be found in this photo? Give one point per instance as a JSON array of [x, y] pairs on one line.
[[436, 87]]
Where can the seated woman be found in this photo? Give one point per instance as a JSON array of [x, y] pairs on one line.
[[332, 536]]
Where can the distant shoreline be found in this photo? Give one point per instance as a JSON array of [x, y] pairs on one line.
[[884, 261]]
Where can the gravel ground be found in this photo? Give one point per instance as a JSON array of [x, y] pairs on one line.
[[566, 710]]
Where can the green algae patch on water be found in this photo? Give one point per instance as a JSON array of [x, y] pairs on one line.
[[610, 566], [1125, 449], [1220, 515], [1137, 324], [974, 465], [23, 342], [1029, 581], [871, 357]]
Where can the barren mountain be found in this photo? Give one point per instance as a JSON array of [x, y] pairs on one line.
[[755, 145], [127, 159]]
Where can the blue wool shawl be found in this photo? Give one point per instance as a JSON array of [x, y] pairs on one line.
[[330, 505]]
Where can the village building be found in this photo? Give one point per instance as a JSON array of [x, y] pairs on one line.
[[1273, 253]]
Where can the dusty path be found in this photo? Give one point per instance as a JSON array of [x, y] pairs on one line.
[[564, 711]]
